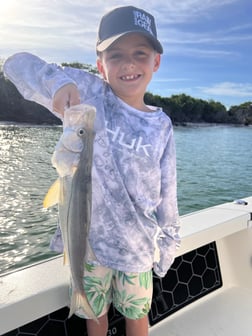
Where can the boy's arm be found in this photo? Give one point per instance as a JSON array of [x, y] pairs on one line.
[[167, 212], [46, 84]]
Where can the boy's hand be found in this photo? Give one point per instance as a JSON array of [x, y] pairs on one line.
[[65, 97]]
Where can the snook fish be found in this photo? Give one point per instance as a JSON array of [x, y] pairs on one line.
[[72, 159]]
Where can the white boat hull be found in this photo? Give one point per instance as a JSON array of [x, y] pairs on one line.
[[207, 292]]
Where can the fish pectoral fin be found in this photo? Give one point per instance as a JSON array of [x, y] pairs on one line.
[[52, 196], [79, 301], [65, 259]]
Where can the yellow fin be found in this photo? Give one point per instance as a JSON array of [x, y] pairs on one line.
[[65, 259], [52, 196]]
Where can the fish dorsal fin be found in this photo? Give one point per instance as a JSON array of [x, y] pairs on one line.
[[52, 196]]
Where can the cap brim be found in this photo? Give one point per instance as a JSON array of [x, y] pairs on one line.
[[108, 42]]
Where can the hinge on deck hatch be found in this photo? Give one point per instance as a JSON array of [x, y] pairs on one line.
[[250, 221]]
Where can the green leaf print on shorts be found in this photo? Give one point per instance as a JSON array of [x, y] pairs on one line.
[[97, 292], [145, 279], [131, 306], [124, 277], [89, 267], [131, 293]]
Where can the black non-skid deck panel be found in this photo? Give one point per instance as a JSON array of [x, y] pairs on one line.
[[193, 275]]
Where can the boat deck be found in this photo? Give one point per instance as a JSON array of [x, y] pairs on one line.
[[222, 313]]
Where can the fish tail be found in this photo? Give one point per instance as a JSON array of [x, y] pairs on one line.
[[79, 301]]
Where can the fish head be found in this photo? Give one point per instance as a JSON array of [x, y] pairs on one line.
[[79, 116], [78, 124]]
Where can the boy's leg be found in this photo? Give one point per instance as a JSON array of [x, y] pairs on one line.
[[133, 327], [132, 296], [137, 327], [95, 329]]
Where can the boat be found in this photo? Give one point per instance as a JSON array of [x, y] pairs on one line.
[[207, 291]]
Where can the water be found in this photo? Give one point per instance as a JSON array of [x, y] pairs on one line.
[[25, 176], [214, 165]]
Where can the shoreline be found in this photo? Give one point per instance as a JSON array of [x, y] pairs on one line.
[[204, 124], [175, 124]]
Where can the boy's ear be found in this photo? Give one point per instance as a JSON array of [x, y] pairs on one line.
[[100, 67], [157, 62]]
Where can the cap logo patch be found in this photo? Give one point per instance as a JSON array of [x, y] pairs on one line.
[[142, 20]]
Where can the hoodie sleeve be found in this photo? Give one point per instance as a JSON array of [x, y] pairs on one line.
[[167, 213], [35, 79]]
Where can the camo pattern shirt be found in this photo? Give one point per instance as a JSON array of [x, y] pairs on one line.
[[135, 221]]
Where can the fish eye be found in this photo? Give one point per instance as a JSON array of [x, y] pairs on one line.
[[81, 132]]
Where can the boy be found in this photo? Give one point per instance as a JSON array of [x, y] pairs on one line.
[[134, 225]]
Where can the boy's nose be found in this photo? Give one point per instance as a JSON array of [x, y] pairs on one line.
[[129, 62]]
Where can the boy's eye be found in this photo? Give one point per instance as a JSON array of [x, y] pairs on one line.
[[115, 56], [118, 56], [141, 53]]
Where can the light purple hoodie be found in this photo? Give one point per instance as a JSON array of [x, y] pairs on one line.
[[135, 220]]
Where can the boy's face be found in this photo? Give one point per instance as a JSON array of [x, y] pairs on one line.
[[128, 66]]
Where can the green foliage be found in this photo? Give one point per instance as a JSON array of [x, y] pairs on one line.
[[181, 108], [243, 113], [87, 67], [184, 109]]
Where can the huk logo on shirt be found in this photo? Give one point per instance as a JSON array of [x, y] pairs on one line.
[[142, 20], [136, 143]]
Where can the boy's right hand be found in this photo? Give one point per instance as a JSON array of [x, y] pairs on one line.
[[68, 95]]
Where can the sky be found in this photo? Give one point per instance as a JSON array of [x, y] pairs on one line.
[[207, 43]]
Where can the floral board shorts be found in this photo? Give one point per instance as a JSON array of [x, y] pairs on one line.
[[131, 293]]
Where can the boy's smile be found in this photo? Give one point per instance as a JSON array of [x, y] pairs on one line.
[[128, 66], [130, 78]]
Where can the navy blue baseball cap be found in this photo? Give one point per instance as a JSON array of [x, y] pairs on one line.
[[125, 20]]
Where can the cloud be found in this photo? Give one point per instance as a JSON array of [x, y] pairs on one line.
[[229, 89], [196, 35], [212, 37], [167, 12], [65, 22]]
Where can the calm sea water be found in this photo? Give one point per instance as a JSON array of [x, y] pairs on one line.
[[214, 165]]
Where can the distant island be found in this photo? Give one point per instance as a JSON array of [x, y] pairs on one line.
[[182, 109]]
